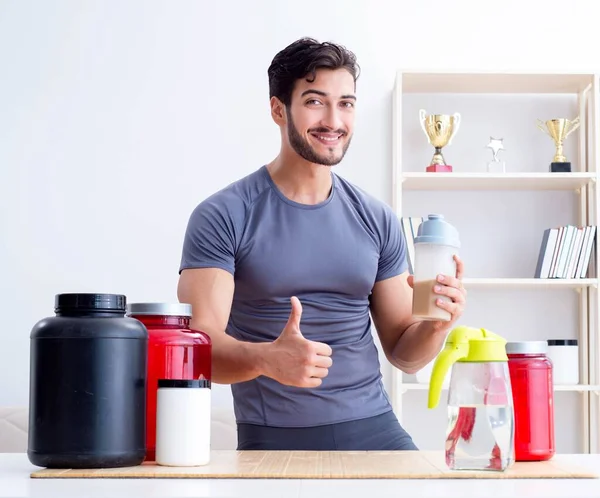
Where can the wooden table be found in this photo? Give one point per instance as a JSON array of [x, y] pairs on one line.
[[15, 480]]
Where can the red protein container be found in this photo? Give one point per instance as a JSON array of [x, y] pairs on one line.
[[174, 352], [533, 396]]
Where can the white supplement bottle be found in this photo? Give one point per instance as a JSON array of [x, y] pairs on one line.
[[183, 422], [564, 355]]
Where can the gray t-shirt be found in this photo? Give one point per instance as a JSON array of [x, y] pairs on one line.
[[329, 255]]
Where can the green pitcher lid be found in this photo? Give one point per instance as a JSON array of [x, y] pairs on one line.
[[465, 345]]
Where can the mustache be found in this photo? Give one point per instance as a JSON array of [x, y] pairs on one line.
[[326, 130]]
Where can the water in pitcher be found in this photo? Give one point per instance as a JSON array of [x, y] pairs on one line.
[[480, 437]]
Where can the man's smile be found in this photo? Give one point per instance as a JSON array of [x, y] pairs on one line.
[[328, 138]]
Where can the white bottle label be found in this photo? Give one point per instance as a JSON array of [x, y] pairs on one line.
[[183, 426]]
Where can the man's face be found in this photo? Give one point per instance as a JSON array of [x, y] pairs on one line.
[[320, 119]]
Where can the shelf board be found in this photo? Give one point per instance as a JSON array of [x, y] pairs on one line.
[[577, 387], [412, 386], [534, 283], [495, 181], [489, 82]]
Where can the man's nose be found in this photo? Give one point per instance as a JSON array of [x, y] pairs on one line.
[[332, 119]]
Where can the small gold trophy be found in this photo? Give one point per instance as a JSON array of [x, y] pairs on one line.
[[559, 129], [440, 130]]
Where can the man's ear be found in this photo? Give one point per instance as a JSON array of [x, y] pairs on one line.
[[278, 111]]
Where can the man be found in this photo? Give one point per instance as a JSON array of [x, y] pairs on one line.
[[283, 267]]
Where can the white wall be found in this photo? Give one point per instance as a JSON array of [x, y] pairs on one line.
[[117, 118]]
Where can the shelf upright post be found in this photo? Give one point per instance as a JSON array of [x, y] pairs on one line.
[[584, 294], [594, 346], [396, 377]]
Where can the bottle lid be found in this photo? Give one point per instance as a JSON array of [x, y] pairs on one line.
[[562, 342], [90, 302], [435, 230], [184, 383], [466, 345], [163, 309], [482, 345], [527, 347]]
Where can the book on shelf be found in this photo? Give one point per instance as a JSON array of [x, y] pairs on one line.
[[410, 227], [566, 252]]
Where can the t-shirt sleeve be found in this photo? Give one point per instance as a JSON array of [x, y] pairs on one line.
[[211, 237], [392, 257]]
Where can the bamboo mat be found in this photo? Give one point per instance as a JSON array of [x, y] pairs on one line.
[[328, 465]]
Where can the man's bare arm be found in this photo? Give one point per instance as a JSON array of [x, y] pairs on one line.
[[408, 344], [210, 292], [290, 359]]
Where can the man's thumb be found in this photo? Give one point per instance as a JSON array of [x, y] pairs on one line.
[[295, 315]]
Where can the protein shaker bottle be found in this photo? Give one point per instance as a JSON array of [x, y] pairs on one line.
[[436, 244]]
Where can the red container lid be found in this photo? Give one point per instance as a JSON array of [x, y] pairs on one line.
[[160, 309], [527, 347]]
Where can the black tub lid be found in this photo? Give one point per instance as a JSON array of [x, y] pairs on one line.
[[90, 301], [184, 383]]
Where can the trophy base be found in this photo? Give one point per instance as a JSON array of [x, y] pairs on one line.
[[439, 168], [560, 167], [496, 167]]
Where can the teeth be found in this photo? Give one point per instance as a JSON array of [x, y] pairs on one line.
[[329, 139]]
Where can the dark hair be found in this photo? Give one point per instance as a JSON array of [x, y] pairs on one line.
[[301, 59]]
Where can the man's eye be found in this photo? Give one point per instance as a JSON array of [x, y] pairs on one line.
[[348, 104], [313, 102]]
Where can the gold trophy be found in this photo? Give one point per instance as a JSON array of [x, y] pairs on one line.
[[559, 129], [440, 130]]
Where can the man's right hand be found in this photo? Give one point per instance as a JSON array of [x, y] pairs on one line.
[[294, 360]]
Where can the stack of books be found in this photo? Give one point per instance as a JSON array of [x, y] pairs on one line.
[[566, 252]]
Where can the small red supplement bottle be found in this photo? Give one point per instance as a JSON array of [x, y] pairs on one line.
[[175, 352], [533, 396]]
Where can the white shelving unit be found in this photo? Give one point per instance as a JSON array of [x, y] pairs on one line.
[[575, 388], [583, 181]]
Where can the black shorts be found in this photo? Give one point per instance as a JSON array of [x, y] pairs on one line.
[[382, 432]]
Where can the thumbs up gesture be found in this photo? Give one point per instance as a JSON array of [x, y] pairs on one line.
[[296, 361]]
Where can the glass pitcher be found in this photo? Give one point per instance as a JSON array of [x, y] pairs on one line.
[[480, 431]]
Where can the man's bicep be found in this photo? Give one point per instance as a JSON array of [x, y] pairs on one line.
[[210, 292], [391, 309]]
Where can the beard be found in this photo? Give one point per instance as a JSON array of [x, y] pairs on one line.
[[307, 152]]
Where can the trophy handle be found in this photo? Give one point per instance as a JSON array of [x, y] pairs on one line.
[[422, 114], [456, 126], [574, 125], [541, 126]]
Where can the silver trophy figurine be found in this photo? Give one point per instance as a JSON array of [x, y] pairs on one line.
[[495, 165]]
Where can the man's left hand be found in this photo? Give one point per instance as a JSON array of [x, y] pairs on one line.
[[452, 287]]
